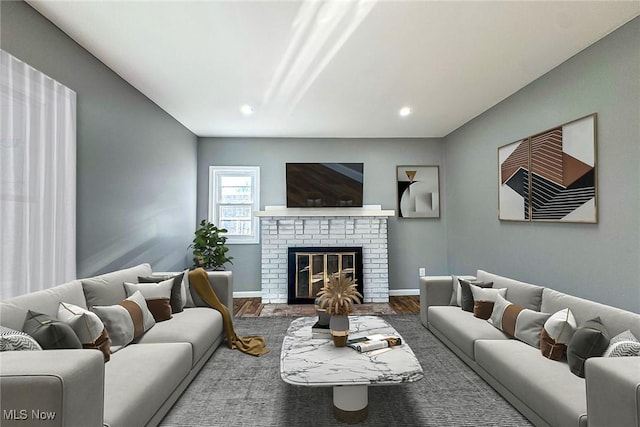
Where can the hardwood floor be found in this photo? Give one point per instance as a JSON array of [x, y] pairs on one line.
[[253, 307], [409, 304]]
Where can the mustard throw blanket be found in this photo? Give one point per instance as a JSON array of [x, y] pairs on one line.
[[255, 346]]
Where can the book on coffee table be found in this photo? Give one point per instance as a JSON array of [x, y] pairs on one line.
[[373, 342], [320, 331]]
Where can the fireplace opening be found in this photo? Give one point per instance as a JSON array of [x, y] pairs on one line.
[[310, 268]]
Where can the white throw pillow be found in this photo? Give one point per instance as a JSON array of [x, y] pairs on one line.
[[487, 294], [561, 326], [86, 324], [150, 290], [187, 299]]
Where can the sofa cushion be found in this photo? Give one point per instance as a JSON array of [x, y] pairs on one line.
[[546, 386], [198, 326], [13, 340], [50, 333], [45, 301], [12, 316], [517, 321], [108, 289], [98, 291], [590, 340], [140, 378], [521, 293], [461, 328]]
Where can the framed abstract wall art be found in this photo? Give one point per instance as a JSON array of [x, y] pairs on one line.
[[418, 191], [550, 176]]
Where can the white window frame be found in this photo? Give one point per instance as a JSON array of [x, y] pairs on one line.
[[215, 175]]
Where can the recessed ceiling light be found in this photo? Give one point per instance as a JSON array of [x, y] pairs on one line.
[[405, 111], [247, 110]]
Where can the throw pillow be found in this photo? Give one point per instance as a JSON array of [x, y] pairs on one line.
[[590, 340], [157, 296], [88, 327], [187, 287], [623, 344], [518, 322], [467, 299], [178, 297], [12, 340], [557, 333], [125, 321], [484, 299], [86, 324], [50, 333], [455, 294]]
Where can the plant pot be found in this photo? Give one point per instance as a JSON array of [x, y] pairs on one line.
[[339, 325]]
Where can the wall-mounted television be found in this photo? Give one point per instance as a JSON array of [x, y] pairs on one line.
[[314, 185]]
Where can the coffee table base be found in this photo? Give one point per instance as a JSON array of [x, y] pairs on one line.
[[351, 403]]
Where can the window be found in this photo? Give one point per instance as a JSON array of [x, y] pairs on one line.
[[234, 197]]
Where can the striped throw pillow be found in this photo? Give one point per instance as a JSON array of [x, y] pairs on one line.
[[12, 340]]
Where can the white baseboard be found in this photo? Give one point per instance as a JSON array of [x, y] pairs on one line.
[[403, 292], [392, 292], [247, 294]]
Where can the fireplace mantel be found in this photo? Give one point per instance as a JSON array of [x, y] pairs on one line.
[[365, 211]]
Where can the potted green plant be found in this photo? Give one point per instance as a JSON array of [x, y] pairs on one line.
[[209, 249]]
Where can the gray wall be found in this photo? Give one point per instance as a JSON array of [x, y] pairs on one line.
[[600, 261], [136, 164], [413, 243]]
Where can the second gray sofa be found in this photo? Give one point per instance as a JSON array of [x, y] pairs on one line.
[[543, 390]]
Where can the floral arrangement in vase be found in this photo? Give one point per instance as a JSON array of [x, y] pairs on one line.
[[338, 296]]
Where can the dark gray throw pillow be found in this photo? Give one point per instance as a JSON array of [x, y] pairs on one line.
[[176, 289], [589, 340], [50, 333], [467, 296]]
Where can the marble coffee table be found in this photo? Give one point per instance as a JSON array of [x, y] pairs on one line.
[[316, 362]]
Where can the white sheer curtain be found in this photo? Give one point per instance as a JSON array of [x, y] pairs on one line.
[[37, 180]]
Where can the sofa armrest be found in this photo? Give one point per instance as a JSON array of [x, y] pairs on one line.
[[222, 284], [613, 391], [64, 387], [435, 290]]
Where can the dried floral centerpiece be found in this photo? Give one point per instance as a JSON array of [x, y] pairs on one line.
[[338, 296]]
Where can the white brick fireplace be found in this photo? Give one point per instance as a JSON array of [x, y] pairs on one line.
[[282, 228]]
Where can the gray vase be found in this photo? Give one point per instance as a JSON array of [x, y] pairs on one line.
[[339, 325], [323, 316]]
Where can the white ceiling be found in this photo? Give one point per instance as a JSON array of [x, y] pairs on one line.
[[332, 68]]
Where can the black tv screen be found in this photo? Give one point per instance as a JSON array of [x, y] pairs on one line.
[[312, 185]]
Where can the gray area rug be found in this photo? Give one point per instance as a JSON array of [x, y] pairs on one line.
[[234, 389]]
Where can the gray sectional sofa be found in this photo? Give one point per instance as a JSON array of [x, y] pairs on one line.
[[136, 387], [543, 390]]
